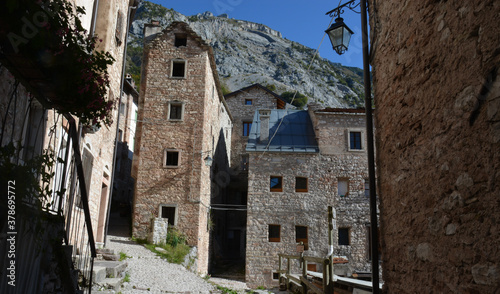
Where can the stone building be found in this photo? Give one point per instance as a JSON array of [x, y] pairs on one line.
[[123, 183], [436, 81], [31, 85], [229, 210], [301, 162], [183, 121]]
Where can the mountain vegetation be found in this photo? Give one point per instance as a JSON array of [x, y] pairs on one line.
[[248, 53]]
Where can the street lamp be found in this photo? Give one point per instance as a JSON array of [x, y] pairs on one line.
[[340, 35], [208, 160], [337, 37]]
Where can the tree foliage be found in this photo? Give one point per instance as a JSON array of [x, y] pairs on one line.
[[299, 101]]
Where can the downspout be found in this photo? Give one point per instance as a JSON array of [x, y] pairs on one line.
[[117, 125], [94, 17]]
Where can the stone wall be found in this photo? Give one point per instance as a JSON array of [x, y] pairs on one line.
[[261, 99], [437, 93], [290, 208]]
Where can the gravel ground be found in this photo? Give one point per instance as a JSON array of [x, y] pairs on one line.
[[151, 274]]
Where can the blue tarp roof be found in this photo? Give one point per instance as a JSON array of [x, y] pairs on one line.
[[295, 134]]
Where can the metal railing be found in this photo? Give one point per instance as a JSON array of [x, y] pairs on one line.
[[23, 125]]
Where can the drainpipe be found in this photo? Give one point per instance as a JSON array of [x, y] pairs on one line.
[[117, 125], [331, 227]]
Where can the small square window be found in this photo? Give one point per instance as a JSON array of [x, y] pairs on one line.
[[178, 68], [355, 141], [168, 212], [276, 184], [248, 101], [301, 236], [344, 236], [300, 184], [343, 187], [247, 126], [276, 276], [175, 110], [172, 158], [274, 233], [180, 40]]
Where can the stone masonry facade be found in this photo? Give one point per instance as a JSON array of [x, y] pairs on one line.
[[182, 120], [289, 208], [436, 80], [243, 104]]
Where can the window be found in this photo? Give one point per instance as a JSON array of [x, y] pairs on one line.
[[344, 236], [274, 233], [367, 188], [172, 158], [119, 28], [168, 212], [175, 110], [343, 187], [247, 126], [300, 184], [178, 68], [180, 40], [355, 141], [276, 276], [248, 101], [87, 163], [276, 184], [301, 236]]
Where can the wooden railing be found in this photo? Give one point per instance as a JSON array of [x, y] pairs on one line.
[[303, 279], [325, 282]]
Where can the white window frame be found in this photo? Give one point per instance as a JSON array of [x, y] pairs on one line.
[[348, 139], [346, 180]]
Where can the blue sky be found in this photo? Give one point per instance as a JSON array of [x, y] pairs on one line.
[[299, 21]]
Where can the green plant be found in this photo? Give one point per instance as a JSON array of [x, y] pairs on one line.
[[123, 256], [226, 290], [175, 237], [65, 52], [127, 277]]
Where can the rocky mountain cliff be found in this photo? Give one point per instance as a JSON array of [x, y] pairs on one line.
[[248, 53]]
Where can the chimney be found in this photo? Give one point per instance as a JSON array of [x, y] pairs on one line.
[[151, 29], [264, 115]]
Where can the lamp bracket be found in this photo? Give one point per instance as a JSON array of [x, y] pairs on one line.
[[339, 10]]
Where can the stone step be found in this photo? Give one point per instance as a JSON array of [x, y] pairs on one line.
[[113, 268], [112, 283], [105, 251], [99, 274]]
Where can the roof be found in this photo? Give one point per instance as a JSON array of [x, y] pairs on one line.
[[295, 134], [281, 102]]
